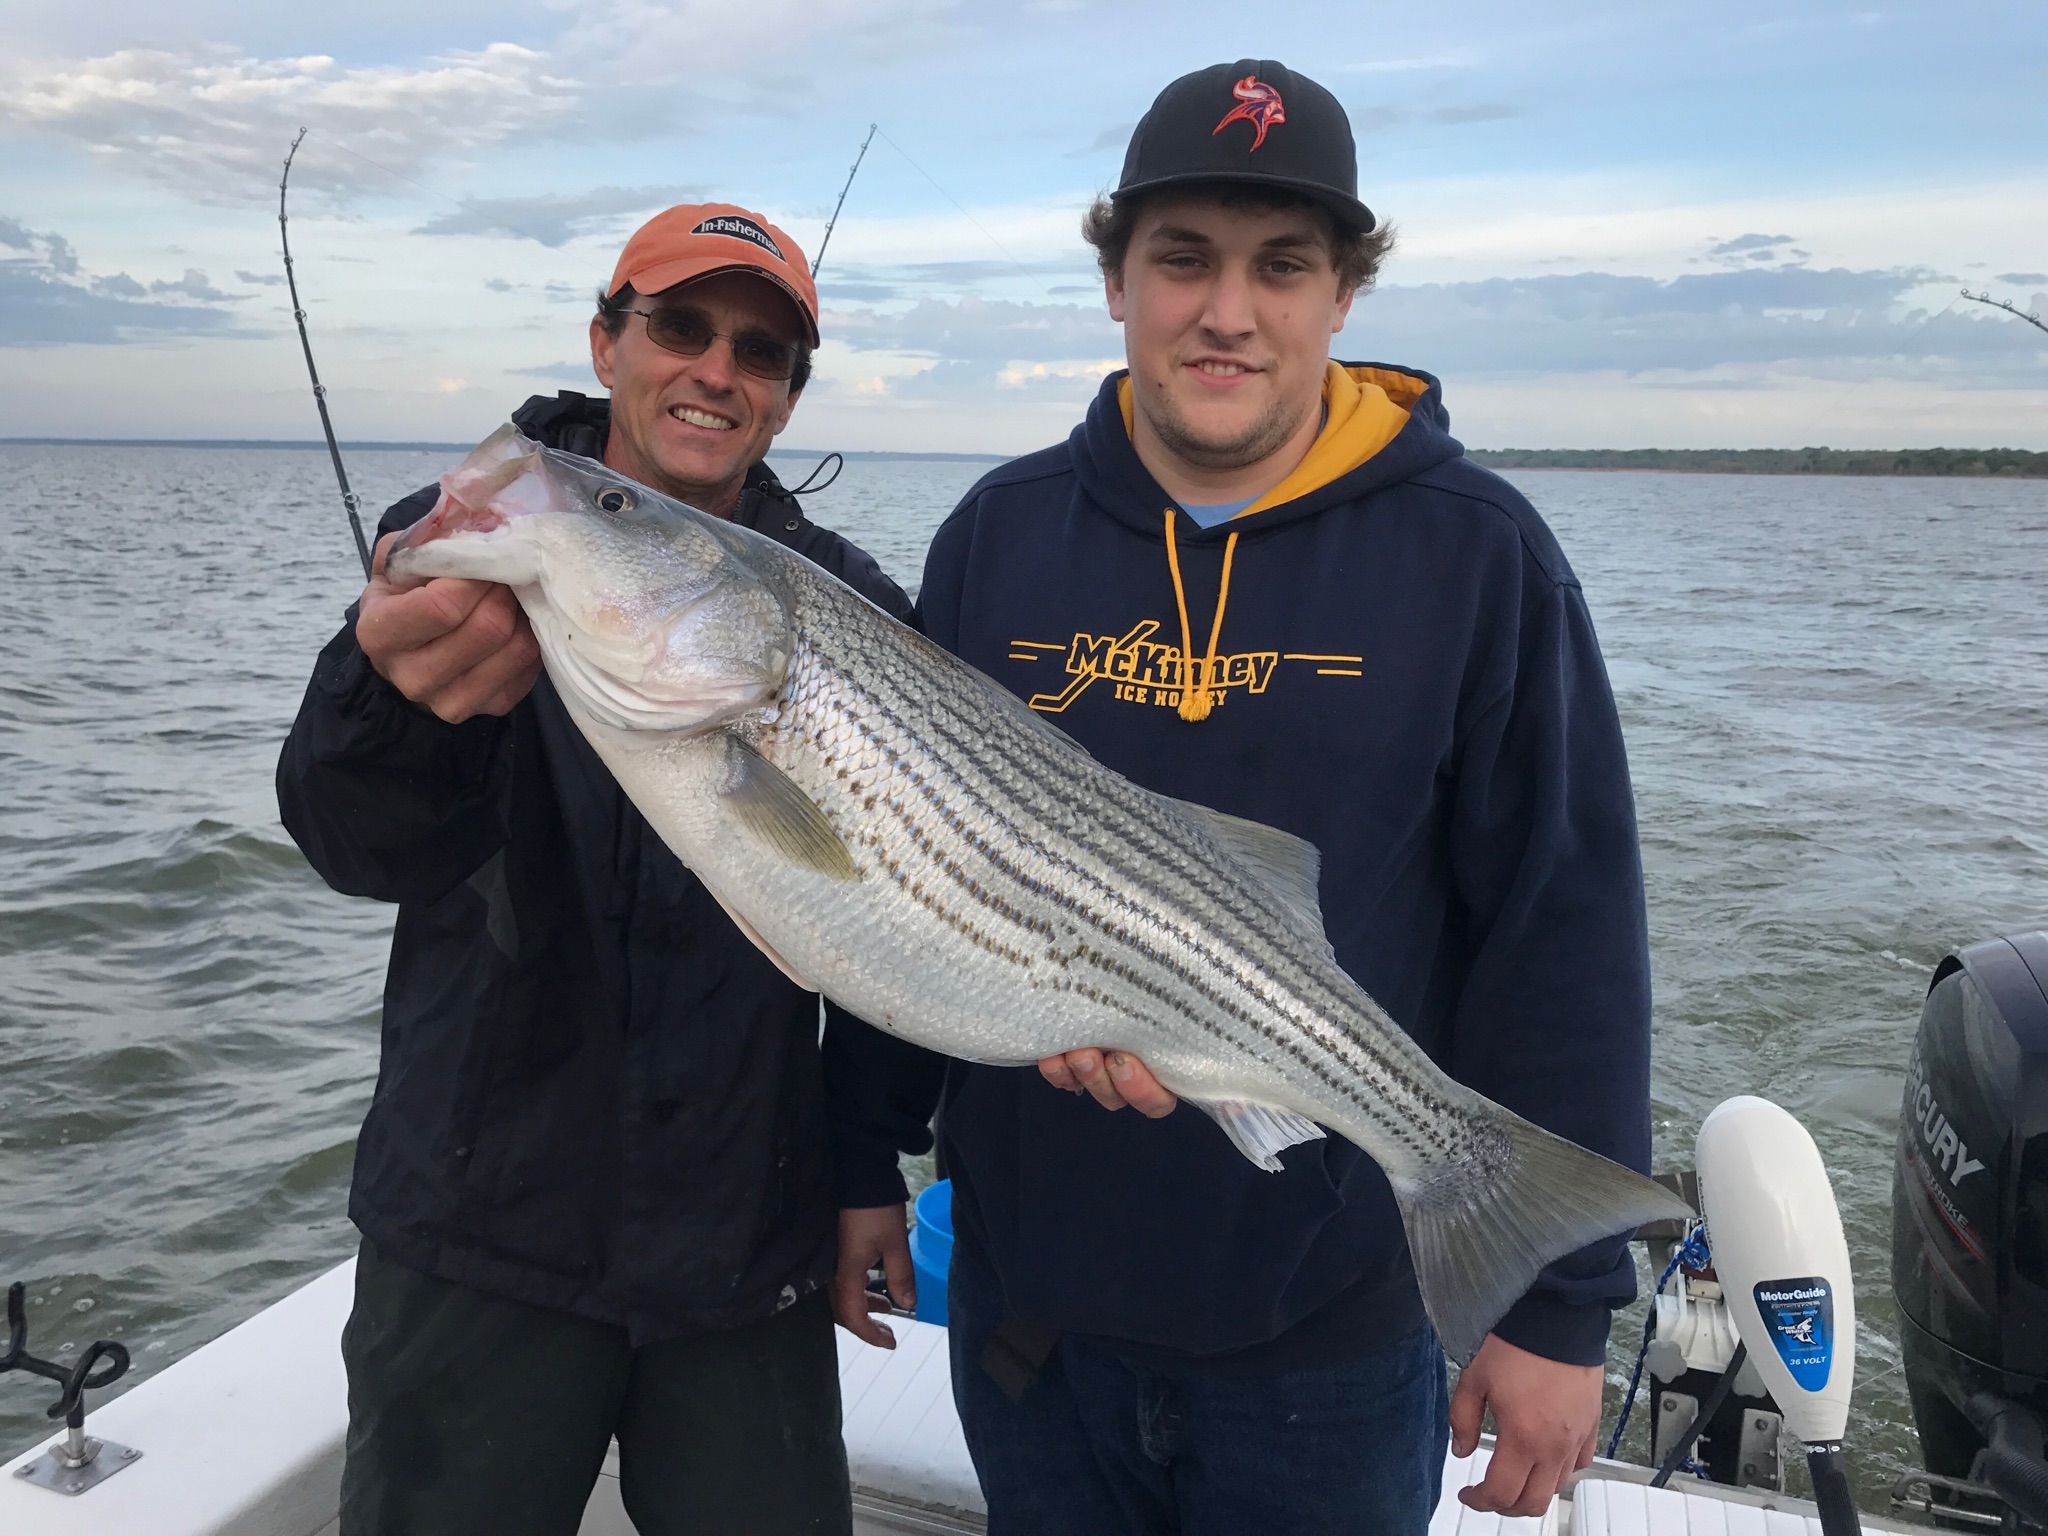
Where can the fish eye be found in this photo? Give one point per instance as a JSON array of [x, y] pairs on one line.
[[615, 498]]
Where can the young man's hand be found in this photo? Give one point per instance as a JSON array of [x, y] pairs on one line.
[[1546, 1415], [871, 1235], [1114, 1078], [456, 647]]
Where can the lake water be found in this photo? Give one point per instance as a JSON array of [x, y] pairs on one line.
[[1835, 694]]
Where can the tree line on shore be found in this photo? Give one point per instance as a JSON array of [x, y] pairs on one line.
[[2004, 463]]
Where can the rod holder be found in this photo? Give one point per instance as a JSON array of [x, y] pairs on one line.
[[77, 1462]]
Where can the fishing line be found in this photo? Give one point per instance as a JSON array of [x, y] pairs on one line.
[[1925, 321], [970, 218]]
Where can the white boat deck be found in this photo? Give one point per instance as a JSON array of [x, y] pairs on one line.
[[244, 1438]]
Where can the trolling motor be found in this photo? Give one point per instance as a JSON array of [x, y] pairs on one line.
[[1970, 1237], [1752, 1328], [1783, 1265], [76, 1462]]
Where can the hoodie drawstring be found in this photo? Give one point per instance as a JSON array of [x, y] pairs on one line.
[[1195, 700]]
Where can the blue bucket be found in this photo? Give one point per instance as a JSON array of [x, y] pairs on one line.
[[931, 1250]]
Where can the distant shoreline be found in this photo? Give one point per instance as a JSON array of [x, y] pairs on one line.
[[303, 445], [1958, 463]]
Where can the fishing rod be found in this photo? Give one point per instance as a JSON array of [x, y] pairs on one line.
[[349, 500], [836, 460], [831, 222], [2008, 306]]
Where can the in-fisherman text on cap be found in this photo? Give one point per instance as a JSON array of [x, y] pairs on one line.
[[697, 239]]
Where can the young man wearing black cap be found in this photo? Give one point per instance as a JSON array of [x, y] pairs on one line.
[[1270, 583], [595, 1182]]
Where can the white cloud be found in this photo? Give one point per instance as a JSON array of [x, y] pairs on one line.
[[1788, 320], [995, 333], [1044, 236], [555, 218], [751, 49], [47, 300], [1736, 408], [216, 126], [1016, 375], [1460, 227], [193, 285], [52, 249]]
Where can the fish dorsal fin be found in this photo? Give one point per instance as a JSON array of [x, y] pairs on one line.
[[770, 805], [1289, 866], [1259, 1131]]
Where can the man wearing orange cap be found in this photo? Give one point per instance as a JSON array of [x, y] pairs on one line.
[[594, 1184]]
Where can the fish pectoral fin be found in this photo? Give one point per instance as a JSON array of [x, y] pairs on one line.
[[1259, 1131], [754, 937], [1290, 866], [770, 805]]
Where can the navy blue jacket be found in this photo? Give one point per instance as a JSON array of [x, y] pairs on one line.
[[595, 1094], [1411, 682]]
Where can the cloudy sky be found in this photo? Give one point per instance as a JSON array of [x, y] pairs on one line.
[[1621, 224]]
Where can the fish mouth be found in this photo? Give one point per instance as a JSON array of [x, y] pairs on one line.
[[469, 492], [449, 518]]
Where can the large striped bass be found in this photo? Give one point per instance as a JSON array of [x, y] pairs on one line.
[[900, 833]]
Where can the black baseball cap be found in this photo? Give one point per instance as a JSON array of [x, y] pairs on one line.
[[1256, 122]]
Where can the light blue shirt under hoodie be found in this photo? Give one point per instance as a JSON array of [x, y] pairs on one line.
[[1223, 511], [1217, 512]]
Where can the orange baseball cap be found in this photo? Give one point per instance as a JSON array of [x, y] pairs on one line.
[[696, 239]]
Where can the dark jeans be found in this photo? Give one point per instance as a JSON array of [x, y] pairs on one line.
[[1100, 1446], [473, 1415]]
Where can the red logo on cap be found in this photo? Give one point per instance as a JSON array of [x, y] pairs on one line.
[[1258, 104]]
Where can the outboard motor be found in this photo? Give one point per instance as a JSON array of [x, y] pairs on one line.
[[1970, 1223]]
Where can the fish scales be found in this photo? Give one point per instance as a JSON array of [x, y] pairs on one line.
[[895, 830], [1218, 951]]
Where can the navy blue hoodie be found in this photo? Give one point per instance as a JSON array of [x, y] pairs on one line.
[[1405, 675]]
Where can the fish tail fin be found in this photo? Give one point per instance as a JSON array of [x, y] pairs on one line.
[[1479, 1237]]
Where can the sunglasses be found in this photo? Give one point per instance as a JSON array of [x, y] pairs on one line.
[[688, 333]]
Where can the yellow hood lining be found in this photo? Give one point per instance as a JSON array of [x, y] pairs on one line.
[[1366, 410]]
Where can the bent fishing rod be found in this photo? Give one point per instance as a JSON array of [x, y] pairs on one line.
[[832, 223], [2009, 307], [351, 503]]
